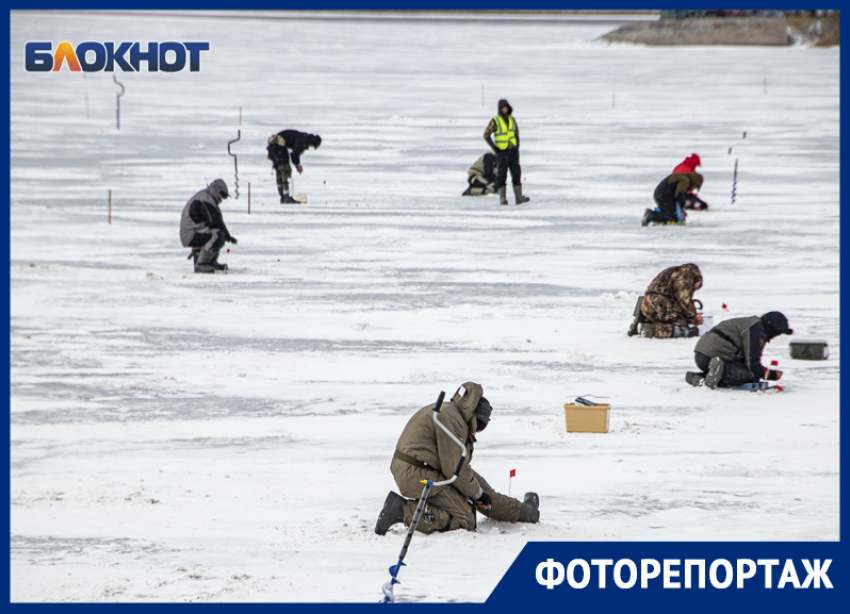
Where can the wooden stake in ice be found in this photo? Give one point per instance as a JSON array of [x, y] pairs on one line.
[[110, 206]]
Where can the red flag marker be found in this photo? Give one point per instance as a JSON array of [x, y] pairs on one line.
[[513, 473], [724, 305]]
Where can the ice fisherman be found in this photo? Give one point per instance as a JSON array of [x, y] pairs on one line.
[[425, 452], [202, 227], [504, 127], [689, 165], [482, 176], [668, 308], [279, 148], [730, 353], [670, 196]]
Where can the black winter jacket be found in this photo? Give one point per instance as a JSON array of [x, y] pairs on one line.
[[200, 211], [296, 141]]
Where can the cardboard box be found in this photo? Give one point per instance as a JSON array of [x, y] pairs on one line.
[[587, 418]]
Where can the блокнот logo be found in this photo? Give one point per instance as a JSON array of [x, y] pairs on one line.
[[90, 56]]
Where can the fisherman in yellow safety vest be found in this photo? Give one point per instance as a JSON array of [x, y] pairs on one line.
[[506, 148]]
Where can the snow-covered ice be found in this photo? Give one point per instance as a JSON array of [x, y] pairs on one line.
[[227, 438]]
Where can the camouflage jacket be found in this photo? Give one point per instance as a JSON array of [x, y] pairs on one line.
[[670, 296]]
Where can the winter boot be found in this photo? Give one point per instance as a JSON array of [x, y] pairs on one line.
[[647, 330], [716, 367], [286, 199], [529, 511], [518, 194], [218, 267], [392, 513], [695, 378], [633, 327], [204, 268], [685, 331], [647, 217], [503, 198]]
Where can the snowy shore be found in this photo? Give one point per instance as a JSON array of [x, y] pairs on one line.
[[177, 437]]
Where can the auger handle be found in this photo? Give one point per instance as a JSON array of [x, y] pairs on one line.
[[453, 438]]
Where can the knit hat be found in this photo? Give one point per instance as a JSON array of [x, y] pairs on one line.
[[775, 324]]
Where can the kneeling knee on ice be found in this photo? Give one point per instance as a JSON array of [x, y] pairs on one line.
[[425, 451]]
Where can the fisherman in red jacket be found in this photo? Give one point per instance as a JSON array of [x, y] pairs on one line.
[[689, 165]]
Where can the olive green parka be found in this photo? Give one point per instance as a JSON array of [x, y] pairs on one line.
[[426, 442]]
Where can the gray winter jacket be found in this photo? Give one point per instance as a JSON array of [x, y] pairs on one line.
[[737, 340], [189, 227]]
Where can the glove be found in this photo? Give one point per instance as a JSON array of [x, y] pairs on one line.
[[485, 500], [234, 241], [774, 375], [300, 169]]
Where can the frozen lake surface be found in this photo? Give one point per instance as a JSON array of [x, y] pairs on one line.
[[227, 438]]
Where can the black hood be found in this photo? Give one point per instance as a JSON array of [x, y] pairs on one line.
[[482, 414], [502, 103], [314, 141], [775, 324]]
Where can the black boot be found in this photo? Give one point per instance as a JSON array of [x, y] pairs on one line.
[[392, 513], [529, 511], [648, 216], [685, 331], [695, 378], [286, 199], [218, 267], [716, 368]]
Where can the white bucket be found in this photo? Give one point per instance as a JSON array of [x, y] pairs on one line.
[[707, 323]]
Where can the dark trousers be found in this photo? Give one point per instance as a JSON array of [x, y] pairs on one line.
[[201, 239], [667, 204], [734, 373], [508, 159]]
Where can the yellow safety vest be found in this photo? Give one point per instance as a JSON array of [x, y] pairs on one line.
[[506, 132]]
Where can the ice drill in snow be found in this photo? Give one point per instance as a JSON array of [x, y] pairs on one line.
[[389, 597]]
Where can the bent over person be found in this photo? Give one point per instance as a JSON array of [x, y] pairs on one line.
[[506, 132], [279, 148], [671, 197], [202, 227], [482, 176], [425, 452], [689, 165], [730, 353], [668, 308]]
